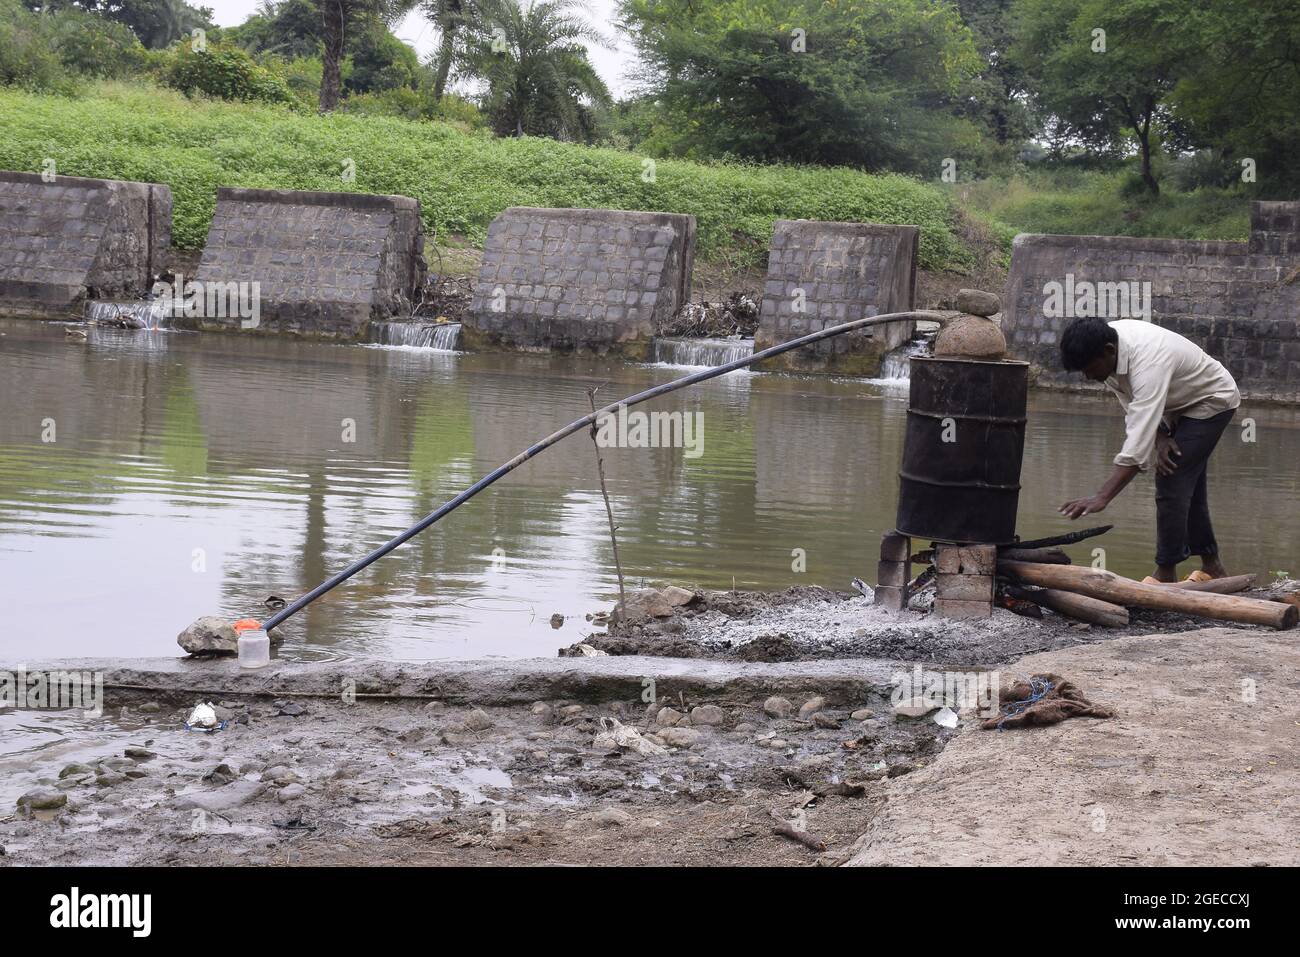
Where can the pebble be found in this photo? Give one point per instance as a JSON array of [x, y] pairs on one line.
[[811, 707], [78, 769], [279, 775], [707, 714], [863, 714], [825, 721], [745, 728], [680, 737], [150, 707], [777, 744], [140, 754], [613, 817], [668, 717], [571, 709], [478, 720], [107, 777], [43, 799], [540, 755], [290, 792], [778, 707]]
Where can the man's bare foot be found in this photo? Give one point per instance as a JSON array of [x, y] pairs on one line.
[[1211, 565]]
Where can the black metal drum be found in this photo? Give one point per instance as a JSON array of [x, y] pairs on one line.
[[960, 480]]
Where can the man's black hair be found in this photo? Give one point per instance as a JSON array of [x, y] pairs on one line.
[[1085, 339]]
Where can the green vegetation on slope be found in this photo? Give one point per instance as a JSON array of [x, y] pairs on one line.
[[461, 180]]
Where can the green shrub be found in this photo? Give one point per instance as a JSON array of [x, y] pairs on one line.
[[224, 72], [462, 181]]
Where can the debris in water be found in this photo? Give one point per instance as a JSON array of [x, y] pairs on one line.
[[204, 718]]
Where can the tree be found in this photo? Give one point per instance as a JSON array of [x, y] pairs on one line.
[[868, 83], [339, 19], [1104, 70], [157, 23], [448, 16], [1241, 93], [533, 58]]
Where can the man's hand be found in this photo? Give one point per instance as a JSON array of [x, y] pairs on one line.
[[1167, 451], [1084, 506]]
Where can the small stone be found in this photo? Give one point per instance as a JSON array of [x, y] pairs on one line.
[[668, 717], [778, 707], [107, 777], [140, 754], [707, 714], [150, 707], [79, 770], [811, 707], [863, 714], [915, 708], [825, 721], [290, 792], [677, 597], [279, 775], [478, 720], [613, 817], [209, 635], [571, 709], [745, 728], [290, 709], [222, 774], [540, 755], [978, 303], [43, 799], [680, 737], [777, 744], [557, 620], [136, 773]]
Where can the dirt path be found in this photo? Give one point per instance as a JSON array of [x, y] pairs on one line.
[[1187, 773]]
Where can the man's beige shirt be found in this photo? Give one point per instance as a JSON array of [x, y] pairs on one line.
[[1162, 376]]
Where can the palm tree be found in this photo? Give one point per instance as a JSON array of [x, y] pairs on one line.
[[448, 16], [531, 53], [338, 18]]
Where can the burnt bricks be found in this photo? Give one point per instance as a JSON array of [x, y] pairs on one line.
[[1233, 299], [893, 572], [964, 580], [326, 264], [583, 280], [824, 274], [73, 239]]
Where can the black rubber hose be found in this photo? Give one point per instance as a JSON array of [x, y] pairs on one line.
[[575, 426]]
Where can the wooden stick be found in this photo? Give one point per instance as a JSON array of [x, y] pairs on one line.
[[1092, 610], [1069, 538], [609, 512], [1108, 586], [1047, 556], [1220, 586]]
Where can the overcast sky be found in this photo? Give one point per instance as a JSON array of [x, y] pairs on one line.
[[417, 31]]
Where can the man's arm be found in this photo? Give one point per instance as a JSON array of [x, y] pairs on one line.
[[1142, 420], [1119, 478]]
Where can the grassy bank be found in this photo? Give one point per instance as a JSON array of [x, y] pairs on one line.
[[462, 180]]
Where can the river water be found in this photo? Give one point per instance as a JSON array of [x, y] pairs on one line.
[[147, 478]]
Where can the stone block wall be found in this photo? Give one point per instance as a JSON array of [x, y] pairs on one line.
[[823, 274], [326, 264], [1238, 301], [581, 280], [74, 239]]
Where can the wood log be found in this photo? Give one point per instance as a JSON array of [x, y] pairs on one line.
[[1108, 586], [1046, 556], [1092, 610], [1220, 586]]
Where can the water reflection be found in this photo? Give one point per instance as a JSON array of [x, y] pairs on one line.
[[191, 475]]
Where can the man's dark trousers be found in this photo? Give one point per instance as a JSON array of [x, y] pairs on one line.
[[1183, 525]]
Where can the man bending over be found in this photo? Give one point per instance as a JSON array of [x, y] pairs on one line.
[[1177, 401]]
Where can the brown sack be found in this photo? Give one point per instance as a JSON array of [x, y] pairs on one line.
[[1062, 699]]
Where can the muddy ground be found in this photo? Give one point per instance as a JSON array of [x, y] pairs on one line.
[[312, 780]]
